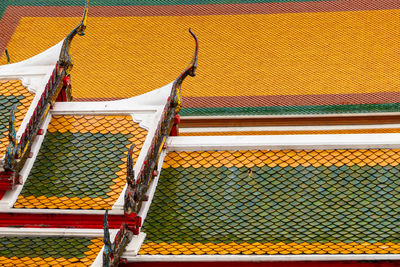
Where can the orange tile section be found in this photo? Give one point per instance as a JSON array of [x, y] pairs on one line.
[[27, 261], [264, 54], [74, 203], [268, 248], [14, 88], [352, 131], [96, 124], [283, 158]]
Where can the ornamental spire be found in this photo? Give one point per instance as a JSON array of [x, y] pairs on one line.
[[65, 59]]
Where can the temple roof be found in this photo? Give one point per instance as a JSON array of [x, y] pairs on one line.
[[82, 162], [49, 251], [275, 202], [293, 177], [269, 57]]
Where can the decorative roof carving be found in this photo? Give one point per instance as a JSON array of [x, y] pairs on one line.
[[65, 57]]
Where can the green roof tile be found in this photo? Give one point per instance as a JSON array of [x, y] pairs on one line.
[[67, 167], [276, 204], [81, 163], [44, 247]]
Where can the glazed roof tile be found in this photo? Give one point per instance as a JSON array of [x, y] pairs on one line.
[[276, 202], [12, 92], [49, 251], [314, 63], [82, 163]]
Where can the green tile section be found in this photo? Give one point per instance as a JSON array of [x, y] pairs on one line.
[[276, 204], [6, 102], [76, 165], [44, 247], [292, 110]]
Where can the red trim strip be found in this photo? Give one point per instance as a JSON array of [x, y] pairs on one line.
[[266, 264], [59, 220]]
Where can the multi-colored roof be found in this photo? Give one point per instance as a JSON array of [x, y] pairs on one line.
[[268, 58], [82, 163], [12, 92], [74, 162], [49, 251], [230, 198], [260, 202]]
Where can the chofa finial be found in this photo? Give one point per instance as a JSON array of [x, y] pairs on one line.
[[65, 59], [190, 70]]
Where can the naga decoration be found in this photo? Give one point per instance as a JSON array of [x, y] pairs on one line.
[[12, 139], [113, 251], [65, 59], [57, 89], [136, 191], [190, 70], [107, 253], [130, 181]]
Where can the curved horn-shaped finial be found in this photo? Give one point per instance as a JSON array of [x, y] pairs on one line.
[[65, 59], [190, 70], [193, 63]]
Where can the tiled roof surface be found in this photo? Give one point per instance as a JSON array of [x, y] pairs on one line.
[[82, 163], [12, 92], [49, 251], [276, 202], [292, 57]]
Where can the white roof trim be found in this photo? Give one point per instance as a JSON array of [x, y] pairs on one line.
[[145, 103], [314, 141], [8, 231], [288, 128], [157, 97], [34, 72], [132, 249]]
